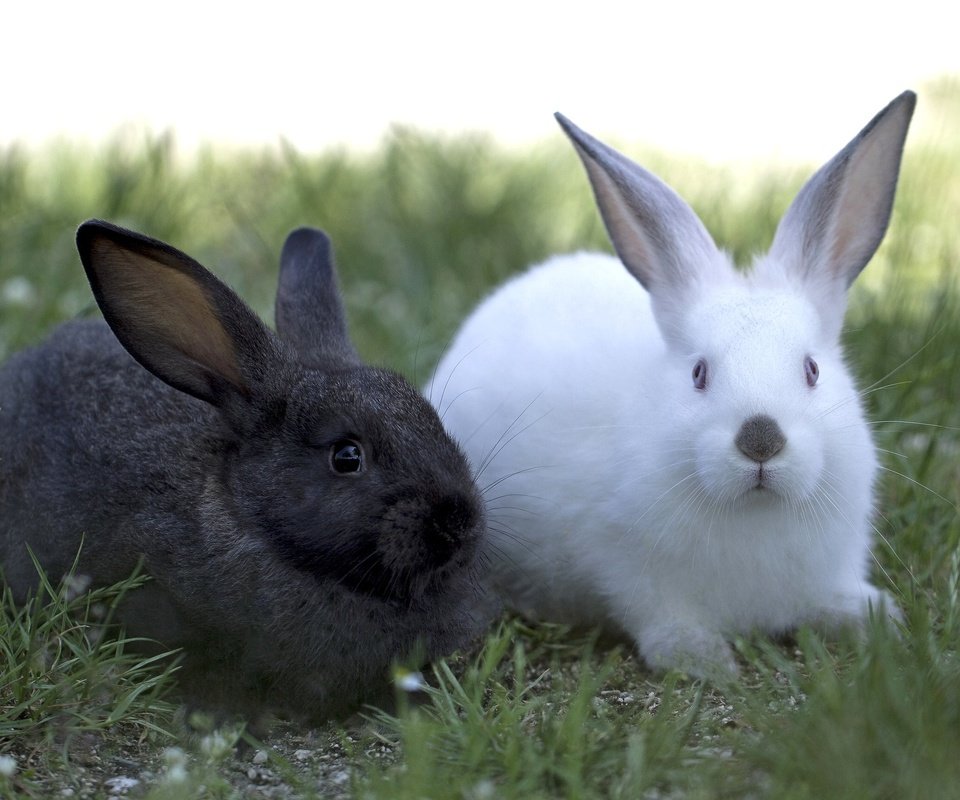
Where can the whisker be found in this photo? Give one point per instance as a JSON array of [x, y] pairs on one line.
[[893, 453], [914, 423], [511, 535], [921, 485], [875, 388], [906, 361], [446, 383], [494, 483], [503, 441]]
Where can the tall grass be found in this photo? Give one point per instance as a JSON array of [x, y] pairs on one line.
[[422, 229]]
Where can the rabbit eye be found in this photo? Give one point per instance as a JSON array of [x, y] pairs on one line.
[[811, 370], [346, 456], [700, 375]]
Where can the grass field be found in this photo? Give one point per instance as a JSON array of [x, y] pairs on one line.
[[422, 228]]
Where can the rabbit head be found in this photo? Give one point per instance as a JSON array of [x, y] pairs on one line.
[[767, 390], [346, 466]]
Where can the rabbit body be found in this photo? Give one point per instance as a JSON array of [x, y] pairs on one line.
[[289, 587], [646, 521], [675, 450]]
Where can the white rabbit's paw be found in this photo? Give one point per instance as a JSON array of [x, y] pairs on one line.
[[882, 605], [699, 652], [855, 612]]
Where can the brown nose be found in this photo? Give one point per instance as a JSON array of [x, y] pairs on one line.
[[760, 438]]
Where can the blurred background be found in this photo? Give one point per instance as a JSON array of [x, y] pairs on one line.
[[420, 136], [737, 80]]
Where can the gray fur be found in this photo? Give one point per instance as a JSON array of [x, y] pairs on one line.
[[309, 315], [289, 587]]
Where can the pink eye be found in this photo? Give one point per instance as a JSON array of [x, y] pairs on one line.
[[811, 370], [700, 375]]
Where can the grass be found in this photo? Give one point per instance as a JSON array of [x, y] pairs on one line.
[[423, 228], [68, 675]]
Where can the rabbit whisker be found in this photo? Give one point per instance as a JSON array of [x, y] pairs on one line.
[[507, 476], [504, 440], [907, 360], [921, 485], [446, 384], [914, 423]]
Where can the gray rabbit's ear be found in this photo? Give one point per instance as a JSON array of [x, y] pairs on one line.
[[837, 221], [309, 312], [175, 318]]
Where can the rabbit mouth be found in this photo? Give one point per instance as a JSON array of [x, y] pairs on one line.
[[418, 548], [422, 542], [391, 571], [758, 481], [413, 542], [762, 479]]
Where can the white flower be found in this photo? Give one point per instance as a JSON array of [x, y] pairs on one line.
[[484, 790], [176, 774], [176, 765], [17, 291], [216, 746], [409, 681], [75, 585]]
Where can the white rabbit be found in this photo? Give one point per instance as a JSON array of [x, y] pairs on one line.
[[690, 462]]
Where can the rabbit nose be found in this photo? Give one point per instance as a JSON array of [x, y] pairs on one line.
[[760, 438], [449, 526]]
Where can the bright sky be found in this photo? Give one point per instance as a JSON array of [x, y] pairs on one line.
[[725, 80]]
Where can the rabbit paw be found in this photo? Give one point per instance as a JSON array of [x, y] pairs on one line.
[[855, 612], [697, 651]]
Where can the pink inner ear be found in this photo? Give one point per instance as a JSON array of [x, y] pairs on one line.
[[854, 233], [165, 312]]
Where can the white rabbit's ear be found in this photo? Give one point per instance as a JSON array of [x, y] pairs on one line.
[[656, 234], [837, 221]]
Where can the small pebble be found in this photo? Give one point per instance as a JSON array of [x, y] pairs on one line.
[[302, 755], [120, 785], [260, 757]]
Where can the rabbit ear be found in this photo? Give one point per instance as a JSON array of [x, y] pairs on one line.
[[656, 234], [838, 219], [309, 311], [176, 318]]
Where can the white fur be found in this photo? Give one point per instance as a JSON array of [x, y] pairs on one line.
[[616, 492]]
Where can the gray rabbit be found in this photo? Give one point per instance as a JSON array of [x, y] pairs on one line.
[[303, 517]]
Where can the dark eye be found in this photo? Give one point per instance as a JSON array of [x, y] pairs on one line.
[[811, 370], [346, 456], [700, 375]]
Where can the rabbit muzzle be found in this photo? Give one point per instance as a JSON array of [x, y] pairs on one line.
[[760, 438], [420, 533]]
